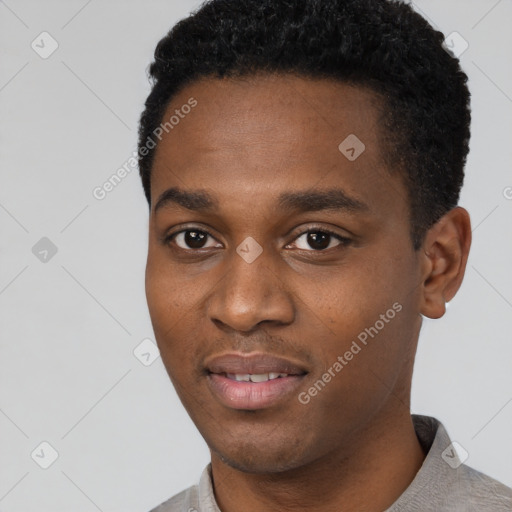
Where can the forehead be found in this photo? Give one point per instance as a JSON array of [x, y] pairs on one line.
[[268, 134]]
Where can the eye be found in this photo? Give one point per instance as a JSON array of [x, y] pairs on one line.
[[190, 239], [320, 239]]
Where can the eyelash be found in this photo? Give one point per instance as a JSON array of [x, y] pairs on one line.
[[344, 241]]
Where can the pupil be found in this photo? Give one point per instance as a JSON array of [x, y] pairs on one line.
[[318, 240], [194, 239]]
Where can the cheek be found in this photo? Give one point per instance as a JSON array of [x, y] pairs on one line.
[[366, 312], [173, 307], [163, 298], [164, 283], [159, 294], [351, 298]]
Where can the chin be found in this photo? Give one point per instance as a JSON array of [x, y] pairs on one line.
[[259, 464], [266, 456]]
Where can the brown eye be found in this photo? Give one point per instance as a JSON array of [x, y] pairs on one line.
[[320, 240], [190, 239]]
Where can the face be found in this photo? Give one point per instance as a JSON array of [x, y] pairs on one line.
[[276, 252]]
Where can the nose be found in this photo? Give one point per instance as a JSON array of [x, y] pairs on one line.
[[250, 294]]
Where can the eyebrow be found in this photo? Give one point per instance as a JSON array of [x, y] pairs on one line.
[[302, 201]]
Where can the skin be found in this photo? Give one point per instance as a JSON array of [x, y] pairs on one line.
[[353, 446]]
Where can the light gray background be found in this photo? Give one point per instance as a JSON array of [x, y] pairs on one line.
[[68, 374]]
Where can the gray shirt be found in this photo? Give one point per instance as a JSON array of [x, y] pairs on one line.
[[442, 483]]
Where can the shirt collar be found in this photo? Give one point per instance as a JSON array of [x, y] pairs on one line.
[[438, 470]]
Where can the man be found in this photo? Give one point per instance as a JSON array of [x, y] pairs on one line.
[[302, 160]]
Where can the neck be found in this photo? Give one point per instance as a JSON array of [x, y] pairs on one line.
[[367, 473]]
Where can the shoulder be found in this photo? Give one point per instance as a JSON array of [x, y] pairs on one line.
[[185, 501], [444, 483], [197, 498], [484, 493]]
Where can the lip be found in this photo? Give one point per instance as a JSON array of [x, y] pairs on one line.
[[253, 363], [252, 395]]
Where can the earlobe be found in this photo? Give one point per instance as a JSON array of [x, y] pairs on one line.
[[444, 256]]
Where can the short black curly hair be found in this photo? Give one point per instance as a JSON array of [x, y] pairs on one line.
[[383, 45]]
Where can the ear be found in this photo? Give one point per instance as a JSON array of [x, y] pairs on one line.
[[445, 251]]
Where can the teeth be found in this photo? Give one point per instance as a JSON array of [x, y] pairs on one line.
[[257, 377]]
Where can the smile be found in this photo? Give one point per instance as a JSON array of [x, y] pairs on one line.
[[253, 381], [256, 377]]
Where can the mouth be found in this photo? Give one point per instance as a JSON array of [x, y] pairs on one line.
[[254, 381], [255, 377]]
